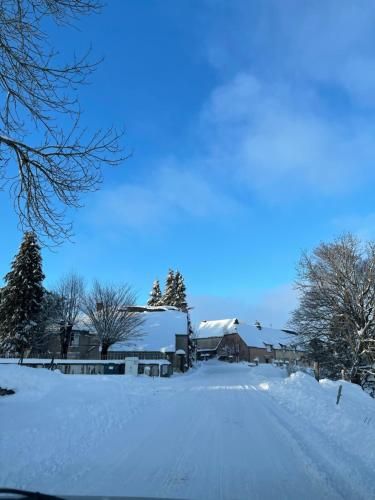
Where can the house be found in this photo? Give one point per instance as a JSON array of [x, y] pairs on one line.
[[84, 343], [164, 347], [234, 340], [165, 337]]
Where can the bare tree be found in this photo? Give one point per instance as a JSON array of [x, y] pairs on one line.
[[46, 166], [336, 315], [70, 292], [107, 309]]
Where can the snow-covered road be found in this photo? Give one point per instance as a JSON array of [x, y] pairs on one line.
[[218, 432]]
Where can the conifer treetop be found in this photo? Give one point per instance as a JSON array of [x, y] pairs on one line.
[[169, 297], [155, 298], [180, 292], [22, 296]]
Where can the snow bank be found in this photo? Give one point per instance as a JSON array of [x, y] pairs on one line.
[[32, 383], [350, 424], [56, 421]]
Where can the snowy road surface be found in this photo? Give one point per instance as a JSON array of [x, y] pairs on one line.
[[221, 432]]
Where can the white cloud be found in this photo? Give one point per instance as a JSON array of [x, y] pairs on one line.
[[329, 42], [162, 198], [274, 126], [279, 139], [333, 42]]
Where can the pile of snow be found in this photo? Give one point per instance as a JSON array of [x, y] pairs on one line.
[[57, 421], [349, 425], [31, 383], [159, 332]]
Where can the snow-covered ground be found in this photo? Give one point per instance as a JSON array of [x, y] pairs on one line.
[[219, 432]]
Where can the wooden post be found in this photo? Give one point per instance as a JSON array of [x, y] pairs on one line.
[[51, 363], [316, 370], [339, 394]]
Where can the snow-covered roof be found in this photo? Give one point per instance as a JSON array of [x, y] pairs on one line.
[[81, 323], [150, 308], [160, 329], [252, 336], [216, 328], [259, 338]]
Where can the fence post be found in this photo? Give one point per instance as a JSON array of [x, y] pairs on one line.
[[316, 370], [339, 394]]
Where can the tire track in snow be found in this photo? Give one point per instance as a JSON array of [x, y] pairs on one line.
[[207, 435], [321, 452]]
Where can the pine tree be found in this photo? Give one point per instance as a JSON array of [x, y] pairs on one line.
[[22, 298], [169, 297], [155, 295], [180, 292]]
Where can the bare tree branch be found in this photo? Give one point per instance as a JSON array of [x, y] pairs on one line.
[[48, 174], [336, 315], [70, 291], [106, 307]]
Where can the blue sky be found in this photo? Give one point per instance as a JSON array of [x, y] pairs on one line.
[[252, 127]]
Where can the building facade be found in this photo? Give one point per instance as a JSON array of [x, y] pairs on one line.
[[233, 340]]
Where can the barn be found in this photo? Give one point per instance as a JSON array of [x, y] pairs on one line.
[[235, 340]]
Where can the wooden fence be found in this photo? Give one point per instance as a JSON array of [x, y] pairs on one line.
[[73, 356]]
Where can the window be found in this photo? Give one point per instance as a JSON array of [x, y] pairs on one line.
[[269, 347]]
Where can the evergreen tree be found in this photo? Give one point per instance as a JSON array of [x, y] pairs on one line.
[[155, 295], [169, 297], [22, 298], [180, 292]]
